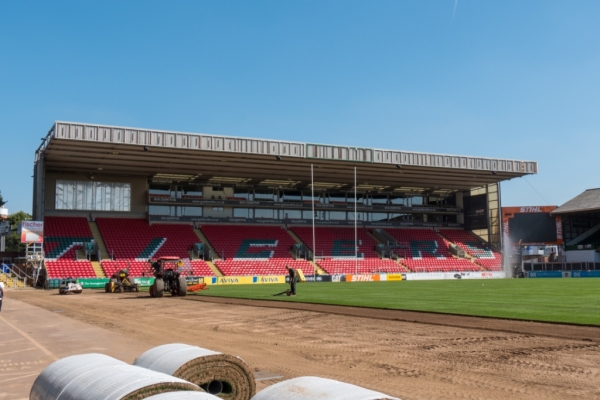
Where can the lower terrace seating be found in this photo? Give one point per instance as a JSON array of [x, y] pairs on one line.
[[262, 267], [134, 239], [427, 252], [363, 266], [335, 250], [136, 268], [143, 268], [64, 268], [485, 256], [253, 250]]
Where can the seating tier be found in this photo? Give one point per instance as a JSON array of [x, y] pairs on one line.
[[428, 252], [64, 268], [135, 239], [253, 250], [64, 235], [335, 250], [485, 256]]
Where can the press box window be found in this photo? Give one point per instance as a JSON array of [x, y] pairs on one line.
[[93, 196]]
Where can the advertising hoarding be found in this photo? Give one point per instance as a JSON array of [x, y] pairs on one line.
[[532, 225], [32, 232]]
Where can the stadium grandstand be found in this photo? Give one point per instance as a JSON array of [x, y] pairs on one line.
[[115, 197]]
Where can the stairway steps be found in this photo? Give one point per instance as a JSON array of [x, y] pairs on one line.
[[98, 269], [214, 268], [99, 241], [205, 241]]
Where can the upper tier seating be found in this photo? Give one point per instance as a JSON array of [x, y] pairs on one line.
[[134, 239], [335, 250], [253, 250], [486, 257], [427, 252], [64, 235]]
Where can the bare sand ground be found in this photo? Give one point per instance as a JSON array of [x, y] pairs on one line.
[[436, 357]]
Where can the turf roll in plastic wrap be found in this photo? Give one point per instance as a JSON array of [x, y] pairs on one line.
[[313, 388], [183, 396], [96, 377], [226, 376]]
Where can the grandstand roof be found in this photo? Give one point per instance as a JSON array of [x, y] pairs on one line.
[[586, 201], [178, 156]]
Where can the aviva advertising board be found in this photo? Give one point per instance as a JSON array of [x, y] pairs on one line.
[[243, 280]]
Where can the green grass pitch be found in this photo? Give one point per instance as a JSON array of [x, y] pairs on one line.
[[556, 300]]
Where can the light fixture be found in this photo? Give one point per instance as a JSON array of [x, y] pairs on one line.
[[278, 158], [146, 148], [494, 173], [398, 166]]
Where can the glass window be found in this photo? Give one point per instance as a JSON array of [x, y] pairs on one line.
[[360, 216], [416, 200], [337, 215], [360, 198], [337, 198], [378, 216], [264, 195], [190, 211], [85, 195], [380, 199], [242, 212], [398, 200], [263, 213], [162, 210], [290, 214]]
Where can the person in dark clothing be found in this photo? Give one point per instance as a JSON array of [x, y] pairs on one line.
[[293, 276], [1, 294]]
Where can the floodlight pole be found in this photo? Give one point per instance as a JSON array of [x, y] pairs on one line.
[[355, 229], [312, 186]]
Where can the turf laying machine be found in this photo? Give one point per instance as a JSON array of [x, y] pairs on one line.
[[121, 282], [167, 277], [69, 286]]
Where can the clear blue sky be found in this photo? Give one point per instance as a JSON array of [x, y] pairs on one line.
[[512, 79]]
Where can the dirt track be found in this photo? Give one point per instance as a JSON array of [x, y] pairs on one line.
[[432, 359]]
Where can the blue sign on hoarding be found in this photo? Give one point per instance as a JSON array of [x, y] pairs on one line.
[[545, 274], [585, 274]]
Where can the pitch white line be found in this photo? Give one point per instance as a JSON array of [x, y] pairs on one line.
[[20, 377], [17, 351], [33, 341]]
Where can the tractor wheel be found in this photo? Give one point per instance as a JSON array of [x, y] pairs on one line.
[[107, 287], [182, 286], [151, 291], [159, 287]]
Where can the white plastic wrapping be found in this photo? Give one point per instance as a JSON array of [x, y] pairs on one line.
[[169, 358], [313, 388], [99, 377], [184, 396]]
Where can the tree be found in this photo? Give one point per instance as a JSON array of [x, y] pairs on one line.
[[13, 241], [2, 202]]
